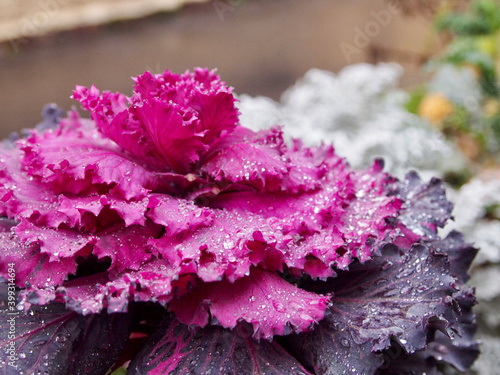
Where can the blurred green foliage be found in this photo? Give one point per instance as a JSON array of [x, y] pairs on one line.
[[473, 40], [483, 19]]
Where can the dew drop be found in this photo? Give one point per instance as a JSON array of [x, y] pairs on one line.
[[277, 306], [404, 273], [39, 343], [422, 288], [386, 265], [345, 342], [406, 290], [60, 338], [381, 282]]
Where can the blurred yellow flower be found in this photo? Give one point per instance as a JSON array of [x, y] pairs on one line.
[[435, 108], [488, 44], [491, 107]]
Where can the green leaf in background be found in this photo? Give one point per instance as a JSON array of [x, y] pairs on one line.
[[415, 99], [483, 19], [119, 371]]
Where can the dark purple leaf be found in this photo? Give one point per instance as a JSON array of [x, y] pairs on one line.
[[397, 296], [330, 350], [458, 349], [397, 362], [52, 116], [6, 224], [52, 340], [425, 206], [460, 254], [461, 350], [175, 349]]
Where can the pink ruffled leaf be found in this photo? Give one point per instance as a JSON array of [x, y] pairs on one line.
[[256, 164], [32, 267], [174, 139], [156, 280], [56, 243], [91, 213], [170, 121], [22, 196], [75, 160], [177, 215], [111, 115], [286, 307], [126, 247], [228, 247]]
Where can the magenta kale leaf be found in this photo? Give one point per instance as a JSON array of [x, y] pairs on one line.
[[262, 293], [239, 237]]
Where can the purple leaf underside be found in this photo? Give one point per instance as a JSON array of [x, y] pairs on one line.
[[397, 296], [52, 340], [175, 349]]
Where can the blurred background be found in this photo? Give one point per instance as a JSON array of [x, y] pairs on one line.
[[260, 47]]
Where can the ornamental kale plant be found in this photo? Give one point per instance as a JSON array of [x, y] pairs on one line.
[[161, 234]]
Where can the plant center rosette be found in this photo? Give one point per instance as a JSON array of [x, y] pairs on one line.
[[163, 199]]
